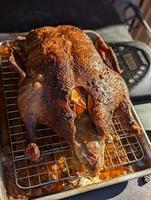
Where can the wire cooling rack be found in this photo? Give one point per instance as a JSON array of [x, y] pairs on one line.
[[57, 162]]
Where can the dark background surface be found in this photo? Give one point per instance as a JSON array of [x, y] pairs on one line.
[[20, 16], [100, 194]]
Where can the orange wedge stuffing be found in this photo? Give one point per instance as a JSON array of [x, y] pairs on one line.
[[81, 103]]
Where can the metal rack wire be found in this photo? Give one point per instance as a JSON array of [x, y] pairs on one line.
[[58, 161]]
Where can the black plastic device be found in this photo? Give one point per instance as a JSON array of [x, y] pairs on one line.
[[135, 61]]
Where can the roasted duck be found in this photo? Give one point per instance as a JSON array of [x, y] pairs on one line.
[[67, 82]]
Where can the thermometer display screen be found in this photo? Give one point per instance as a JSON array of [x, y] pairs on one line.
[[129, 61]]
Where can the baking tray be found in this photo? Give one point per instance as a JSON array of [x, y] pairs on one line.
[[7, 135]]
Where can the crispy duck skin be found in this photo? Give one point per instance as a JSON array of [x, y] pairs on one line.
[[56, 61]]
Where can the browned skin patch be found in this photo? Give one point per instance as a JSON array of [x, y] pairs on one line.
[[58, 59]]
